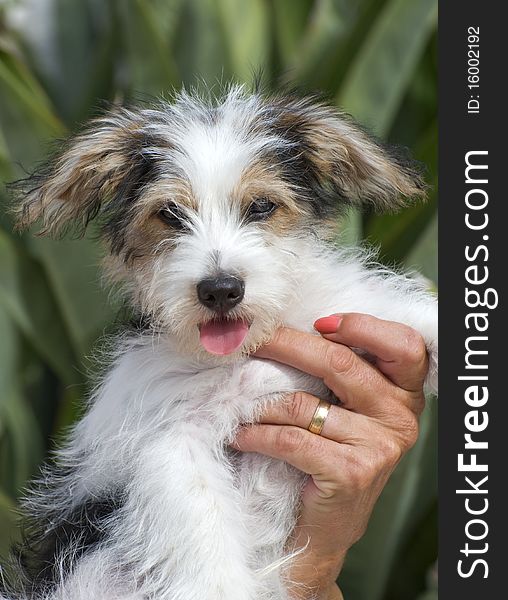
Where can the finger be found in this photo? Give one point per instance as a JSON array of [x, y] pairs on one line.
[[399, 350], [332, 466], [340, 425], [344, 426], [358, 384], [308, 452]]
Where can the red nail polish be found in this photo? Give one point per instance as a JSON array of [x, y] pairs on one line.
[[328, 324]]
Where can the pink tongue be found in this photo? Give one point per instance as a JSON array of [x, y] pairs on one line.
[[223, 337]]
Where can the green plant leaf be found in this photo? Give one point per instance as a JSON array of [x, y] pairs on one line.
[[26, 449], [17, 80], [397, 234], [200, 47], [377, 79], [27, 118], [5, 163], [8, 524], [246, 30], [82, 33], [350, 228], [152, 69], [25, 294], [290, 20], [423, 255], [316, 60], [17, 421], [413, 569], [72, 270]]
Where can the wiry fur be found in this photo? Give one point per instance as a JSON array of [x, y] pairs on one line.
[[146, 501]]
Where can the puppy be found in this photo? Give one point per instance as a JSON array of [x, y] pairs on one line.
[[217, 216]]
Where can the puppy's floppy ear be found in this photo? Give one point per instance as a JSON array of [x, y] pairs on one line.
[[96, 165], [340, 159]]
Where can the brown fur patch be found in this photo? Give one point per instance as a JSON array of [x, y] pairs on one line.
[[88, 173], [146, 233], [264, 180], [345, 157], [112, 167]]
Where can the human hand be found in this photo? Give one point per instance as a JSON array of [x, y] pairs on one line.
[[361, 442]]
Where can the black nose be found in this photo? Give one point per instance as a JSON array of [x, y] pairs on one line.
[[221, 293]]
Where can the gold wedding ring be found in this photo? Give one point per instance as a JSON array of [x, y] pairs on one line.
[[318, 420]]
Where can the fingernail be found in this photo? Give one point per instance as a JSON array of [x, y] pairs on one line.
[[328, 324]]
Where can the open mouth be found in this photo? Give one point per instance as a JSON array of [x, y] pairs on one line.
[[223, 336]]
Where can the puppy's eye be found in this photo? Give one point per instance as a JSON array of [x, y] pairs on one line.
[[172, 215], [260, 209]]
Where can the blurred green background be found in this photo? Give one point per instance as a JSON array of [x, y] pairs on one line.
[[60, 58]]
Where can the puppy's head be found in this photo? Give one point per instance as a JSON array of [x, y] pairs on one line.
[[207, 207]]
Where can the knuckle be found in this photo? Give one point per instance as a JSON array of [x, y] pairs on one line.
[[296, 406], [407, 428], [360, 322], [289, 440], [389, 452], [362, 472], [411, 430], [414, 350], [339, 359]]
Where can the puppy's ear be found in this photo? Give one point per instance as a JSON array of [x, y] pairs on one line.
[[340, 159], [105, 160]]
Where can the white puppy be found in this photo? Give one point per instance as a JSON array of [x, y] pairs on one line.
[[217, 216]]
